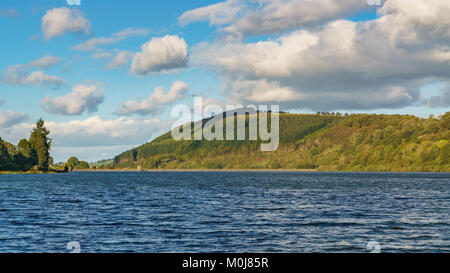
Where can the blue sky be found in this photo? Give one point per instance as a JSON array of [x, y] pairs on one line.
[[226, 51], [159, 19]]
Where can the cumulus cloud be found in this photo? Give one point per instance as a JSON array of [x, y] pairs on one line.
[[95, 131], [106, 137], [155, 101], [268, 91], [42, 79], [92, 131], [160, 55], [343, 64], [20, 74], [246, 18], [94, 43], [10, 118], [82, 98], [59, 21]]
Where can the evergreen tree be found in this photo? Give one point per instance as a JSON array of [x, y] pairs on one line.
[[24, 148], [26, 156], [41, 143], [5, 158]]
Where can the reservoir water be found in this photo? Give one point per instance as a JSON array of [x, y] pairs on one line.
[[225, 212]]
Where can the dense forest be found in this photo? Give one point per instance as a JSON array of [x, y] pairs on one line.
[[32, 153], [324, 141]]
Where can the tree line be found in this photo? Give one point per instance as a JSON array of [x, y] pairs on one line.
[[32, 153], [325, 141]]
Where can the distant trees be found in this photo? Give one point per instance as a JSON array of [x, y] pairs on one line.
[[5, 158], [325, 141], [28, 153], [83, 165], [74, 163]]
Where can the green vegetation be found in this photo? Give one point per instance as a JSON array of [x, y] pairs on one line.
[[325, 142], [102, 164], [29, 154], [74, 164]]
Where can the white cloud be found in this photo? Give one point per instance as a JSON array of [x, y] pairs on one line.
[[343, 64], [116, 58], [42, 79], [92, 44], [121, 59], [91, 154], [81, 137], [155, 101], [267, 91], [102, 55], [59, 21], [160, 55], [10, 118], [418, 23], [217, 14], [45, 62], [19, 74], [245, 18], [95, 131], [82, 98]]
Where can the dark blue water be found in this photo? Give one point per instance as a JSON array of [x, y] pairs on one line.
[[225, 212]]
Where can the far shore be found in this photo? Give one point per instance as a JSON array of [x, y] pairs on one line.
[[205, 171], [196, 170], [165, 170], [239, 170], [30, 172]]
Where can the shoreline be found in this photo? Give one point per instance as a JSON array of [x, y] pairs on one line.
[[11, 172], [239, 171], [196, 170], [130, 170]]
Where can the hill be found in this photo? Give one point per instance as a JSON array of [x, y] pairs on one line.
[[325, 142]]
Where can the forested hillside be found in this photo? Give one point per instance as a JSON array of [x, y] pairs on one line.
[[326, 142]]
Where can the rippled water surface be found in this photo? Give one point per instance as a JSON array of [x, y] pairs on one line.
[[225, 212]]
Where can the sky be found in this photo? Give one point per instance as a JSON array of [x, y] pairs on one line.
[[104, 75]]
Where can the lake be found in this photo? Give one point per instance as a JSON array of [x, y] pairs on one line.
[[225, 212]]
